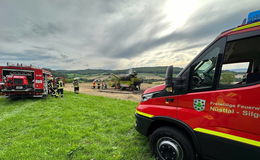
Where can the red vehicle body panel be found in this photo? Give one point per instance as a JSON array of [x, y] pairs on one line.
[[38, 79], [154, 89], [231, 118], [12, 82]]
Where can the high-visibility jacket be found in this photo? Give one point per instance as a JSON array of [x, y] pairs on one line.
[[75, 83], [60, 85], [50, 84]]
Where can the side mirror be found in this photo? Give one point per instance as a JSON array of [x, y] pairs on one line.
[[178, 84], [168, 78]]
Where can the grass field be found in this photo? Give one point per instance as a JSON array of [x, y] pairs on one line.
[[74, 127]]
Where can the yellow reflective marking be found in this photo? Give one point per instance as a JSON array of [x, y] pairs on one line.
[[247, 26], [144, 114], [229, 136]]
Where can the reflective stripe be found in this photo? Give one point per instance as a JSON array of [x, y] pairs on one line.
[[229, 136], [60, 85], [247, 26], [144, 114]]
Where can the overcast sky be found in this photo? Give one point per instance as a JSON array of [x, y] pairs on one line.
[[113, 34]]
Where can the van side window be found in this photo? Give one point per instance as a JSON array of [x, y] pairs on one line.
[[204, 68], [233, 73], [241, 65]]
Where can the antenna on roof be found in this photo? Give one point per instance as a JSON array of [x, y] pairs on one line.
[[244, 21]]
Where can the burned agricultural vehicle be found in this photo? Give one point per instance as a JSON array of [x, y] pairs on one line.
[[126, 82]]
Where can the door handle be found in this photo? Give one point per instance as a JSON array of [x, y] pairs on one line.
[[169, 99]]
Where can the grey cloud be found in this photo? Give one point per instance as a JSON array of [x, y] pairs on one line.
[[101, 33], [64, 56], [200, 26], [125, 34], [10, 38], [43, 48], [46, 29], [27, 55], [43, 30], [186, 47], [37, 57]]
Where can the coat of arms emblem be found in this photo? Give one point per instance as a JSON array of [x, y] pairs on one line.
[[199, 104]]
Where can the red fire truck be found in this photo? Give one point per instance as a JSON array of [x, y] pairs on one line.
[[23, 81], [211, 110]]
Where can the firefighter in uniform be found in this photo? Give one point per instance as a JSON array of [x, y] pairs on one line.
[[94, 84], [51, 87], [98, 84], [60, 87], [104, 84], [76, 85]]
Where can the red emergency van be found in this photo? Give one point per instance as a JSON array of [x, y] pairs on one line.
[[211, 110]]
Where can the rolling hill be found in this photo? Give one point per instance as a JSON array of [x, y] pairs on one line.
[[147, 73]]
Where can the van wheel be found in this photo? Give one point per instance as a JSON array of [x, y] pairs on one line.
[[171, 144]]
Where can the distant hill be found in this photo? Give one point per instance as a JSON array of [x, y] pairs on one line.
[[243, 70], [155, 70], [90, 74]]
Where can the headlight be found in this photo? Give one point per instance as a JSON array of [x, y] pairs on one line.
[[145, 97]]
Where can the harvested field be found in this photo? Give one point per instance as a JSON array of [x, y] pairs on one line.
[[110, 92]]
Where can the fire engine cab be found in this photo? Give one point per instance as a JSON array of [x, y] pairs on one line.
[[23, 81], [211, 110]]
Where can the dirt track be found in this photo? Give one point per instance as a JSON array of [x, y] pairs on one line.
[[127, 95]]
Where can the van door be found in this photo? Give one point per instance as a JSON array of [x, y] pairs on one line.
[[222, 105]]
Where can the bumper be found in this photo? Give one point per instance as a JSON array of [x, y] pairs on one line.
[[143, 124]]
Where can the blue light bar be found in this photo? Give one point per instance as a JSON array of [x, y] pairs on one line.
[[253, 17]]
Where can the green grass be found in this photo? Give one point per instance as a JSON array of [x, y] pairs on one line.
[[74, 127]]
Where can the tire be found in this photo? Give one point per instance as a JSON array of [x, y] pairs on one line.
[[14, 98], [171, 144]]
